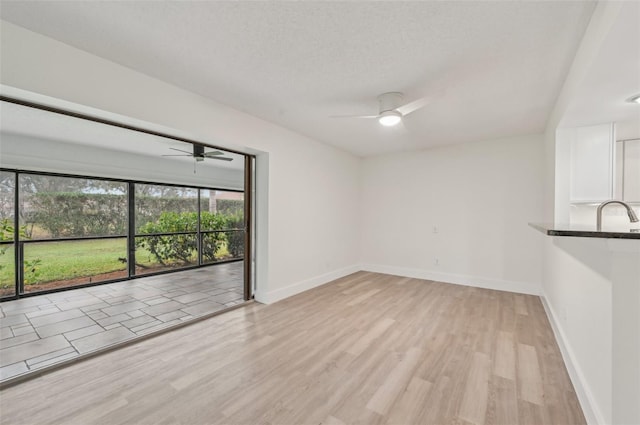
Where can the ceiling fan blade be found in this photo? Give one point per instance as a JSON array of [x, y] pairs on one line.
[[354, 116], [180, 150], [413, 106], [212, 154], [221, 158], [178, 155]]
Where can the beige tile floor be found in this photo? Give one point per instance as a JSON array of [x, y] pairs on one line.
[[43, 330]]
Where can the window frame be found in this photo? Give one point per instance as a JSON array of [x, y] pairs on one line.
[[130, 235]]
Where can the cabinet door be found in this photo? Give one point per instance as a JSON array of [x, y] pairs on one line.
[[592, 163], [631, 170]]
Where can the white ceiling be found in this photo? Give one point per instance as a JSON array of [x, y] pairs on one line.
[[491, 69]]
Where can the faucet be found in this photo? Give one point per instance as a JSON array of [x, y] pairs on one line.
[[632, 215]]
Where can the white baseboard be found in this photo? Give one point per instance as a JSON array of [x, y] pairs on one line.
[[296, 288], [592, 414], [479, 282], [305, 285]]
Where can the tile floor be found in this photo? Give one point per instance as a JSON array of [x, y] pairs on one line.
[[39, 331]]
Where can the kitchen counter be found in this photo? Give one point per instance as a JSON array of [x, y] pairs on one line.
[[551, 229]]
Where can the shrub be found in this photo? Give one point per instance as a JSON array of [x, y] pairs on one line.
[[183, 248], [6, 234], [169, 249], [149, 208], [7, 229], [235, 240]]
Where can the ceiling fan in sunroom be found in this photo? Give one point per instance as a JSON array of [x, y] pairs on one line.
[[200, 154]]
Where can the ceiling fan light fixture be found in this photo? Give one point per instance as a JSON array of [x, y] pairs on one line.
[[390, 118], [634, 99]]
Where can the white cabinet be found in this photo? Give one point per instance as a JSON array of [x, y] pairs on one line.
[[591, 163], [628, 170]]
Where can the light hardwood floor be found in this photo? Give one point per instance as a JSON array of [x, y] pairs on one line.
[[366, 349]]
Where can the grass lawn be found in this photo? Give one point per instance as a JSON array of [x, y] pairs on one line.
[[6, 266], [53, 261], [45, 262]]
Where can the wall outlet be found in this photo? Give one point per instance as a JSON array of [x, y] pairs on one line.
[[435, 229], [436, 261]]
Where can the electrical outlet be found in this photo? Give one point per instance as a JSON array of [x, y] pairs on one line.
[[435, 229], [436, 261]]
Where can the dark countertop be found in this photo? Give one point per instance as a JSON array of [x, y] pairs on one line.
[[583, 231]]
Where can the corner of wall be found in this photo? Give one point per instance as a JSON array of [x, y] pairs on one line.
[[269, 297]]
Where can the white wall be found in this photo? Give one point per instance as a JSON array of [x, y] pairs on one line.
[[479, 196], [582, 277], [578, 298], [311, 214]]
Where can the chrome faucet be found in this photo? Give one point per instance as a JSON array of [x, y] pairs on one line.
[[632, 215]]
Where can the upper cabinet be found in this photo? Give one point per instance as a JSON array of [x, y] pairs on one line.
[[592, 164], [628, 170]]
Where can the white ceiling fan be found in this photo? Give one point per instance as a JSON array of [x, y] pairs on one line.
[[391, 109]]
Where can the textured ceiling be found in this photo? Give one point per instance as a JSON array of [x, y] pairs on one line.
[[490, 69]]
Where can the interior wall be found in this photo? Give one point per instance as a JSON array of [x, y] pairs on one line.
[[457, 214], [577, 272], [309, 214], [578, 299]]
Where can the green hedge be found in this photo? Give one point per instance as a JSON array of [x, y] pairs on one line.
[[78, 214], [75, 214], [230, 206], [183, 248]]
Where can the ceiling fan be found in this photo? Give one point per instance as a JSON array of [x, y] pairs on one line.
[[200, 155], [391, 109]]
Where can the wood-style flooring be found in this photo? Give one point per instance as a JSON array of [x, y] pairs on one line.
[[365, 349]]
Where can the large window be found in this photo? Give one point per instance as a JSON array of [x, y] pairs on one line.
[[69, 228], [75, 231]]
